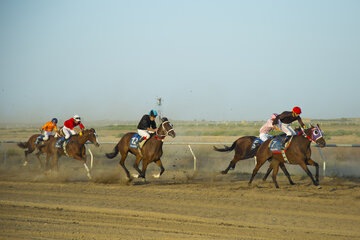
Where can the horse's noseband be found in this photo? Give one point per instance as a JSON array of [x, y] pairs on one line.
[[166, 131]]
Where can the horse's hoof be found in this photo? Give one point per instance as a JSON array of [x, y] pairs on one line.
[[156, 175], [25, 164], [134, 175], [319, 187], [223, 172]]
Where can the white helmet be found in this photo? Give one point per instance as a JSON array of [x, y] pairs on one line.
[[77, 118]]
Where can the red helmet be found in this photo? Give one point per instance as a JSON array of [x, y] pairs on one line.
[[297, 110]]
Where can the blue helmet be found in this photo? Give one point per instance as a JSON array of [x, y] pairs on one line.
[[153, 113], [54, 120]]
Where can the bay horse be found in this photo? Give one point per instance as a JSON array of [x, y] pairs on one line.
[[150, 152], [75, 148], [30, 147], [243, 150], [298, 152]]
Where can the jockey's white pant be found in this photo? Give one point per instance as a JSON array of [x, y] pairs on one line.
[[144, 133], [68, 132], [264, 136], [47, 134], [286, 128]]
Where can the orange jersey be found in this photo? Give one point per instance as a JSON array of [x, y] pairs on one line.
[[49, 126]]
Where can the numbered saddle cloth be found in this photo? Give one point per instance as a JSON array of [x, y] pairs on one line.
[[257, 142], [134, 141], [275, 144]]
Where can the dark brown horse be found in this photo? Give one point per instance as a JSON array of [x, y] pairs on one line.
[[75, 148], [150, 152], [243, 150], [30, 147], [299, 152]]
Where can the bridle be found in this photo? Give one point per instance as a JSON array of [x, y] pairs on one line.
[[316, 133], [162, 136]]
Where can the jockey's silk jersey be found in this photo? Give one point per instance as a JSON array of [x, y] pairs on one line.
[[267, 127], [71, 124], [49, 127], [146, 123], [287, 118]]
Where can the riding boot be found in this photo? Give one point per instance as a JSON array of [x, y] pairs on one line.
[[283, 142], [39, 139], [60, 142]]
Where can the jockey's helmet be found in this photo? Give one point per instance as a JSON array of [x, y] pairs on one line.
[[273, 116], [297, 110], [54, 120], [77, 118], [153, 113]]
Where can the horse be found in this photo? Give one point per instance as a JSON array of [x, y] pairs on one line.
[[150, 152], [298, 152], [31, 147], [74, 148], [244, 150]]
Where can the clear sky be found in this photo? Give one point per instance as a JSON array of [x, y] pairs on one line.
[[209, 60]]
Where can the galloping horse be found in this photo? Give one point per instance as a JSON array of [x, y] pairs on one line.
[[244, 149], [150, 152], [75, 148], [299, 152], [31, 147]]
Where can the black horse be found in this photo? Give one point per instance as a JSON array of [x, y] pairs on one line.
[[150, 152]]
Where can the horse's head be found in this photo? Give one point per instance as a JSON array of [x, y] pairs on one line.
[[91, 136], [315, 134], [166, 128]]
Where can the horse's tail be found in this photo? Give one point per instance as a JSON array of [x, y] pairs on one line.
[[114, 153], [23, 144], [226, 148]]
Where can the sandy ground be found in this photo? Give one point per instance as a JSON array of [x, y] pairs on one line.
[[178, 205]]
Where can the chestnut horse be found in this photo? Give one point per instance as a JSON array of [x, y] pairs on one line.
[[150, 152], [243, 151], [299, 152], [75, 148], [31, 147]]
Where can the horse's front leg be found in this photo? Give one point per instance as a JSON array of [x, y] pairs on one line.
[[38, 157], [316, 165], [162, 169]]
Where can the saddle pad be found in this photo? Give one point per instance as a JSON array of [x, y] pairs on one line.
[[275, 144], [257, 142], [134, 141]]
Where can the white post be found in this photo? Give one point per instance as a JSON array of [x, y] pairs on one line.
[[324, 160], [91, 158], [193, 156]]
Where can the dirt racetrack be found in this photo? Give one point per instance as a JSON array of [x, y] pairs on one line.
[[179, 205]]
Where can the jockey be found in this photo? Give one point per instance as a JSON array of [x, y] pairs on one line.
[[68, 129], [285, 119], [267, 127], [48, 130], [146, 126]]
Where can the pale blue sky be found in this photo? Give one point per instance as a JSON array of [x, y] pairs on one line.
[[213, 60]]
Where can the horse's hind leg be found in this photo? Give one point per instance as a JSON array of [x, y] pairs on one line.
[[136, 165], [162, 169], [275, 165], [267, 173], [316, 165], [38, 157], [259, 163], [232, 163], [122, 164], [282, 165]]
